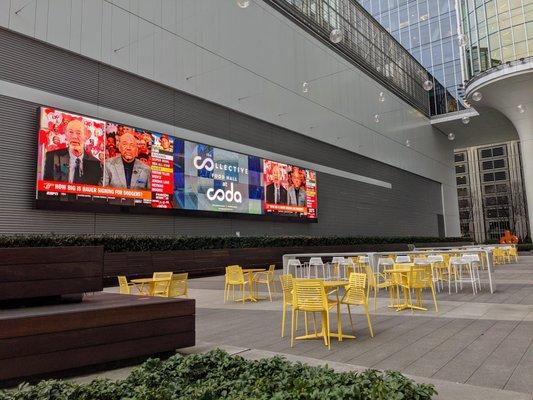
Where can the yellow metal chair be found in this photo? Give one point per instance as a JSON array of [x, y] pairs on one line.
[[513, 253], [498, 255], [378, 281], [178, 285], [234, 277], [309, 295], [161, 286], [421, 278], [357, 295], [265, 278], [124, 285], [286, 288]]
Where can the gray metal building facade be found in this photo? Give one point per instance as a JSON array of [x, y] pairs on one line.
[[411, 206]]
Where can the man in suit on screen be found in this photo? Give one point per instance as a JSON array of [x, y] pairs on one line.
[[275, 192], [296, 192], [126, 170], [73, 164]]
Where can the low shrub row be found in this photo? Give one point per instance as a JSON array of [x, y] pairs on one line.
[[114, 243], [217, 375], [525, 247]]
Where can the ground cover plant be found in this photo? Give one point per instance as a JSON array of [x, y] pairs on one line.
[[217, 375]]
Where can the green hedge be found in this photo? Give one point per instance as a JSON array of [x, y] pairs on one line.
[[525, 247], [164, 243], [217, 375]]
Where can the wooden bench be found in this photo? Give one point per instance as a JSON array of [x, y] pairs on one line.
[[104, 327], [31, 272]]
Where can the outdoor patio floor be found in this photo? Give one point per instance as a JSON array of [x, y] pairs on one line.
[[476, 347], [484, 340]]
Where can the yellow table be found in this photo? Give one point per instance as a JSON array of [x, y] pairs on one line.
[[150, 282], [402, 270], [250, 272], [339, 335]]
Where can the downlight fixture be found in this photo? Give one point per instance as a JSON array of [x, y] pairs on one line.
[[427, 85], [477, 96], [243, 3], [336, 36]]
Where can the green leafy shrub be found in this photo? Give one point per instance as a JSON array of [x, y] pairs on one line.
[[525, 247], [217, 375], [118, 243]]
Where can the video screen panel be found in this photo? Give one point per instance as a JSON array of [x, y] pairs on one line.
[[83, 159], [289, 189], [212, 179]]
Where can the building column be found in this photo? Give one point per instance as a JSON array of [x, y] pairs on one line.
[[524, 126]]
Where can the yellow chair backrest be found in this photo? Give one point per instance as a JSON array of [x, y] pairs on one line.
[[309, 295], [370, 276], [286, 286], [234, 275], [356, 292], [420, 277], [178, 285], [161, 287], [513, 252], [123, 285]]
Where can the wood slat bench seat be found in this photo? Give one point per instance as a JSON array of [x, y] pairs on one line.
[[104, 327]]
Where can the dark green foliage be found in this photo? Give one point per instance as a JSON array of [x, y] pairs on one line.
[[115, 243], [217, 375]]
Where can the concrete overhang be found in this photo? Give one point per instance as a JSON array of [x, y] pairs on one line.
[[487, 125]]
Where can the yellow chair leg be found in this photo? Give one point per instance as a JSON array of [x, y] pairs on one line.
[[242, 290], [327, 330], [350, 315], [375, 298], [369, 321], [314, 322], [225, 291], [305, 323], [269, 294], [283, 319], [434, 298], [293, 321]]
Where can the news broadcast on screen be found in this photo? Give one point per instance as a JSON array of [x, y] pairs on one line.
[[88, 160]]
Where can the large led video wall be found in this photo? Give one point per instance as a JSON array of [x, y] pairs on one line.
[[87, 160]]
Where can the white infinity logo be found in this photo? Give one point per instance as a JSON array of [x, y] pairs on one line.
[[229, 195], [208, 163]]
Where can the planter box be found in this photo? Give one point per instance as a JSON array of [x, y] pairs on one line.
[[105, 327], [31, 272], [209, 262]]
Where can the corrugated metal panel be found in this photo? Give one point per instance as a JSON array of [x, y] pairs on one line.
[[346, 207], [133, 95], [133, 224], [200, 115], [28, 62]]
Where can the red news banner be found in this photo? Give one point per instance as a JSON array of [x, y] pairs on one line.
[[162, 182], [93, 190], [284, 207]]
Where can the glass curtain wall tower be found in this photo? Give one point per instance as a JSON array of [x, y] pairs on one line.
[[428, 29], [499, 31]]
